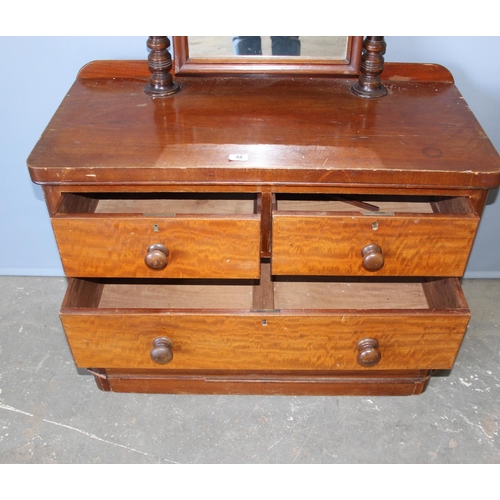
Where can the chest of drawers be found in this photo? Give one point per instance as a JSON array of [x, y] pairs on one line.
[[264, 235]]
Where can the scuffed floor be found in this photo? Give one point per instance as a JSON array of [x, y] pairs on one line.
[[51, 413]]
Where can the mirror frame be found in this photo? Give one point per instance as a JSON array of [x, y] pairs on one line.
[[186, 66]]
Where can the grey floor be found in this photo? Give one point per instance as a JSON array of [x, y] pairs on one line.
[[51, 413]]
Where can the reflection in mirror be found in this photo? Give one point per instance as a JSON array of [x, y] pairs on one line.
[[319, 55], [312, 47]]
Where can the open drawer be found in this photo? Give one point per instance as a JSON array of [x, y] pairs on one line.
[[383, 236], [158, 235], [268, 325]]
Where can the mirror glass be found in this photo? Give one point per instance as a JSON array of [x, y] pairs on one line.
[[256, 47], [278, 55]]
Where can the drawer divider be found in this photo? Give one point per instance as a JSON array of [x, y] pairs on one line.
[[263, 292]]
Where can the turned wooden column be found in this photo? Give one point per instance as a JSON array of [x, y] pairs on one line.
[[161, 83], [369, 85]]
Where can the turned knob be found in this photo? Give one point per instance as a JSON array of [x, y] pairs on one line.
[[162, 350], [157, 257], [373, 259], [368, 355]]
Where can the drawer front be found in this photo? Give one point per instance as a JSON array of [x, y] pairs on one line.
[[274, 341], [196, 247], [367, 245]]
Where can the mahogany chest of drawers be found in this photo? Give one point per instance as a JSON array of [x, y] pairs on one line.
[[269, 235]]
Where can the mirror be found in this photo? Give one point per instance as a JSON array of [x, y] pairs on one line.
[[312, 47], [327, 55]]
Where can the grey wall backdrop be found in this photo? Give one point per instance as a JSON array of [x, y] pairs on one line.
[[37, 71]]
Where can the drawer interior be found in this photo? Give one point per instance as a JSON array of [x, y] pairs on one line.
[[371, 204], [178, 295], [248, 203], [159, 204], [404, 235], [270, 324], [267, 294], [349, 294]]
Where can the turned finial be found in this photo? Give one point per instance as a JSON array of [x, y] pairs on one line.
[[369, 84], [161, 83]]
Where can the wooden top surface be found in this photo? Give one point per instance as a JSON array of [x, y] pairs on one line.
[[299, 130]]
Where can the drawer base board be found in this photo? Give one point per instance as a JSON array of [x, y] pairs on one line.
[[401, 383]]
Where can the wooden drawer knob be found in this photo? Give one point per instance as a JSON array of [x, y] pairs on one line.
[[373, 260], [157, 257], [368, 355], [162, 350]]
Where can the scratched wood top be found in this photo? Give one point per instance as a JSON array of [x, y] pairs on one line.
[[299, 131]]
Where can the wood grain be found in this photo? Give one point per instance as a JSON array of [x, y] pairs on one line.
[[325, 203], [138, 69], [348, 294], [268, 293], [217, 294], [418, 245], [265, 342], [301, 131], [119, 334], [393, 383], [108, 141], [182, 204], [200, 247]]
